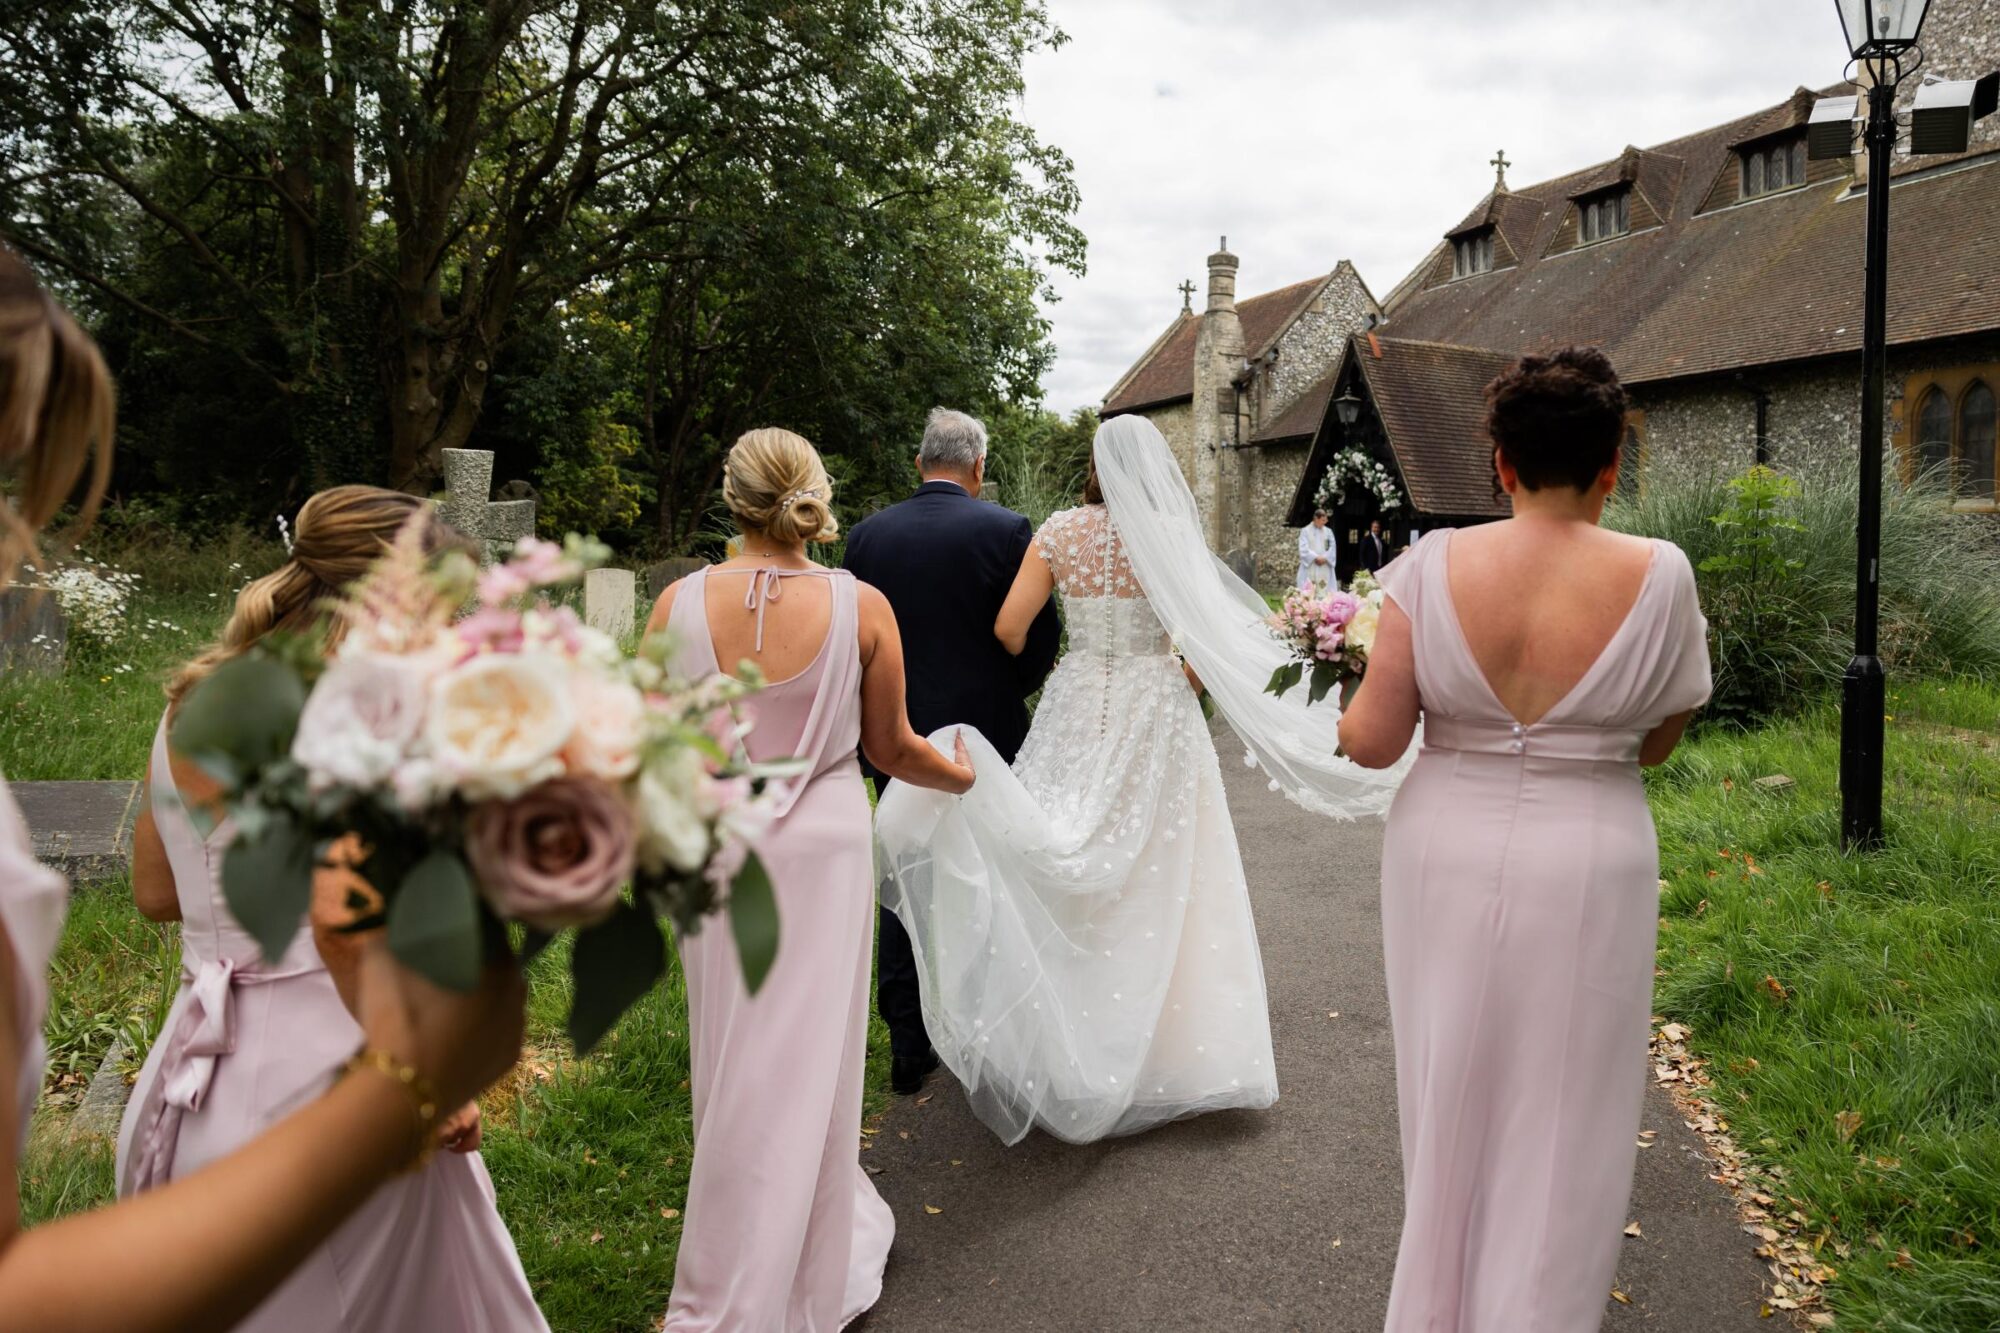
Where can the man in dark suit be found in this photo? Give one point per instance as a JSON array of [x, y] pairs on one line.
[[945, 561], [1374, 547]]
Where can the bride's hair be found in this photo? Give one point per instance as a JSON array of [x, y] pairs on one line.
[[775, 483], [58, 412], [1557, 419], [340, 533], [1093, 491]]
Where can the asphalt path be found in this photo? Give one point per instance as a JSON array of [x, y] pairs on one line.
[[1281, 1219]]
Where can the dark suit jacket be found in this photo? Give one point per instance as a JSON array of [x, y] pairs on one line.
[[945, 562], [1374, 551]]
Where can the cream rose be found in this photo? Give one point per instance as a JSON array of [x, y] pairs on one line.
[[1361, 629], [610, 726], [498, 723]]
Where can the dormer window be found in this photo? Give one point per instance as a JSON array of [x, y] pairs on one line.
[[1770, 167], [1472, 253], [1603, 216]]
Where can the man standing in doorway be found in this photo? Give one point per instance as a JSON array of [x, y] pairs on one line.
[[1374, 547]]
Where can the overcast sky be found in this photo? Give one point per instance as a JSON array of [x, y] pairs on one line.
[[1311, 131]]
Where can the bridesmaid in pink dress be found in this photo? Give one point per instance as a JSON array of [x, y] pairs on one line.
[[785, 1232], [249, 1040], [1520, 870]]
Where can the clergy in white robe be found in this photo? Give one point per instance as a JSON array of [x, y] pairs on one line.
[[1316, 554]]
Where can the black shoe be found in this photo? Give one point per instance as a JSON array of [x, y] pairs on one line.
[[906, 1072]]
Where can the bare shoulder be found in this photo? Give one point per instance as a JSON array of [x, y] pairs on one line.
[[871, 604]]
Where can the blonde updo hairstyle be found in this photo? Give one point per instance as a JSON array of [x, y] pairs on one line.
[[776, 485], [58, 412], [339, 535]]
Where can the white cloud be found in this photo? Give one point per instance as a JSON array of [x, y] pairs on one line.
[[1314, 132]]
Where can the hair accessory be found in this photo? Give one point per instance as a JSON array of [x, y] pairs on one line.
[[285, 531], [796, 496]]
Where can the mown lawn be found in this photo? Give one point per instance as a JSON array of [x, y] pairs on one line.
[[1850, 1007]]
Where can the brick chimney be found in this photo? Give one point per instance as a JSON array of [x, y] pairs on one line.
[[1218, 361]]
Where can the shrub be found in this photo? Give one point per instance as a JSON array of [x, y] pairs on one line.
[[1774, 559]]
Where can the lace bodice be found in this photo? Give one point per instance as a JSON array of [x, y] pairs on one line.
[[1082, 548], [1104, 608]]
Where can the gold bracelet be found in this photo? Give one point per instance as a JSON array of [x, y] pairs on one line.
[[423, 1097]]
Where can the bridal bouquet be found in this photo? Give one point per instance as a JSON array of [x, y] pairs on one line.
[[511, 766], [1329, 636]]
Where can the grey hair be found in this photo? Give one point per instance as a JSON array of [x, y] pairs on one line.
[[953, 441]]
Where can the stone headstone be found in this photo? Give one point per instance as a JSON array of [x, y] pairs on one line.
[[671, 570], [610, 597], [33, 632], [468, 484], [1243, 564], [103, 1105], [83, 829]]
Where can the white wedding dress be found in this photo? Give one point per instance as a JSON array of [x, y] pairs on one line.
[[1082, 927]]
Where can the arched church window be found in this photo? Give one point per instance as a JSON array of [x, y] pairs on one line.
[[1976, 452], [1934, 434]]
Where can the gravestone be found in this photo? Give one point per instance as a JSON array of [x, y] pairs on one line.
[[670, 570], [33, 632], [103, 1105], [1243, 564], [83, 829], [468, 484], [609, 597]]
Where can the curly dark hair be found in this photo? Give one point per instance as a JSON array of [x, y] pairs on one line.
[[1557, 418]]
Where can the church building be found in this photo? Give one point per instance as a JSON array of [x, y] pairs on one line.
[[1722, 273]]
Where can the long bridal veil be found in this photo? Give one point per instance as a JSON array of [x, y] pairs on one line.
[[1216, 620]]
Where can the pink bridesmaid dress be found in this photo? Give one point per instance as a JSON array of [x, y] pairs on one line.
[[33, 901], [1520, 899], [248, 1041], [785, 1232]]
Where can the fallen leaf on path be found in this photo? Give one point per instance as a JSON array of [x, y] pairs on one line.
[[1336, 1243], [1674, 1032], [925, 1099], [1632, 1229], [1620, 1297], [958, 1161], [933, 1211]]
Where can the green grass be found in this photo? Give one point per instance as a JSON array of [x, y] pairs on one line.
[[1818, 984], [96, 719]]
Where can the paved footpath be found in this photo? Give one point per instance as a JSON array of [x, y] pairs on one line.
[[1285, 1219]]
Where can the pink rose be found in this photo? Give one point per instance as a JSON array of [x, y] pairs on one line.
[[361, 718], [555, 856], [1340, 608]]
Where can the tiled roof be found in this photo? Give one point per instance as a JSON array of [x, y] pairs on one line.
[[1772, 279], [1432, 405], [1166, 374]]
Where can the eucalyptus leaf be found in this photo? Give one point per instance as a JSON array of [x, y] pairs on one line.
[[753, 919], [1284, 678], [612, 964], [1325, 676], [241, 718], [434, 921], [267, 881]]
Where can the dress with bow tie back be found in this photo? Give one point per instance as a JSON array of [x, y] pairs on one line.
[[785, 1232], [1520, 901], [246, 1043]]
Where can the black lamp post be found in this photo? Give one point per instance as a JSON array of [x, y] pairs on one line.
[[1879, 33]]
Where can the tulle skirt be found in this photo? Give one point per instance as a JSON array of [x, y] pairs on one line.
[[1081, 923]]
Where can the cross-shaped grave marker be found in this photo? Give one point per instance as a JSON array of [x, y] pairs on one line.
[[468, 484]]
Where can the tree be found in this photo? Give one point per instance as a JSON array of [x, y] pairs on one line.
[[361, 204]]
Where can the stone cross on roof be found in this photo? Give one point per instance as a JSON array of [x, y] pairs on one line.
[[468, 481], [1186, 289], [1499, 163]]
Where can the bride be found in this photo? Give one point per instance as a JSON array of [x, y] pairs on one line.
[[1082, 927]]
